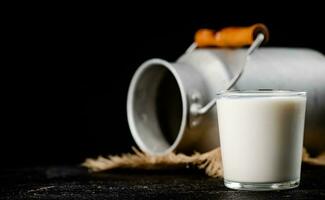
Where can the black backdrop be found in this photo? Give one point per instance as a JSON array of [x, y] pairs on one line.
[[70, 67]]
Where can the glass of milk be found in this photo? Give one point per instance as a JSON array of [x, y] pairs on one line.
[[261, 138]]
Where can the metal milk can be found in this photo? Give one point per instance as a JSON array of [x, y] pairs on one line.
[[169, 104]]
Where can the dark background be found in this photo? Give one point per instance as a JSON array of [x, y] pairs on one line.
[[68, 67]]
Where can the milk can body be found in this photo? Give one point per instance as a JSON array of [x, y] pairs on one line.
[[161, 94]]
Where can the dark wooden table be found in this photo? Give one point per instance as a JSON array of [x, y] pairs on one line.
[[73, 182]]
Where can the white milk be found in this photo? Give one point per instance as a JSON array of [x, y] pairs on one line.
[[261, 137]]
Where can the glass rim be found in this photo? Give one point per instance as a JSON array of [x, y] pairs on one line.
[[261, 93]]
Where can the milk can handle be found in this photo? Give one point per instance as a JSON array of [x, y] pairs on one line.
[[230, 36], [197, 109]]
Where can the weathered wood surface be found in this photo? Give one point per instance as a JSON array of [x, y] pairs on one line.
[[73, 182]]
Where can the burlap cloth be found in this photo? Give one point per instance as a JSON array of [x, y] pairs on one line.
[[210, 161]]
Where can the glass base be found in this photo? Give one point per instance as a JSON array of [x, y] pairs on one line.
[[261, 186]]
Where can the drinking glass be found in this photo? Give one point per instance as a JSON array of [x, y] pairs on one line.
[[261, 138]]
